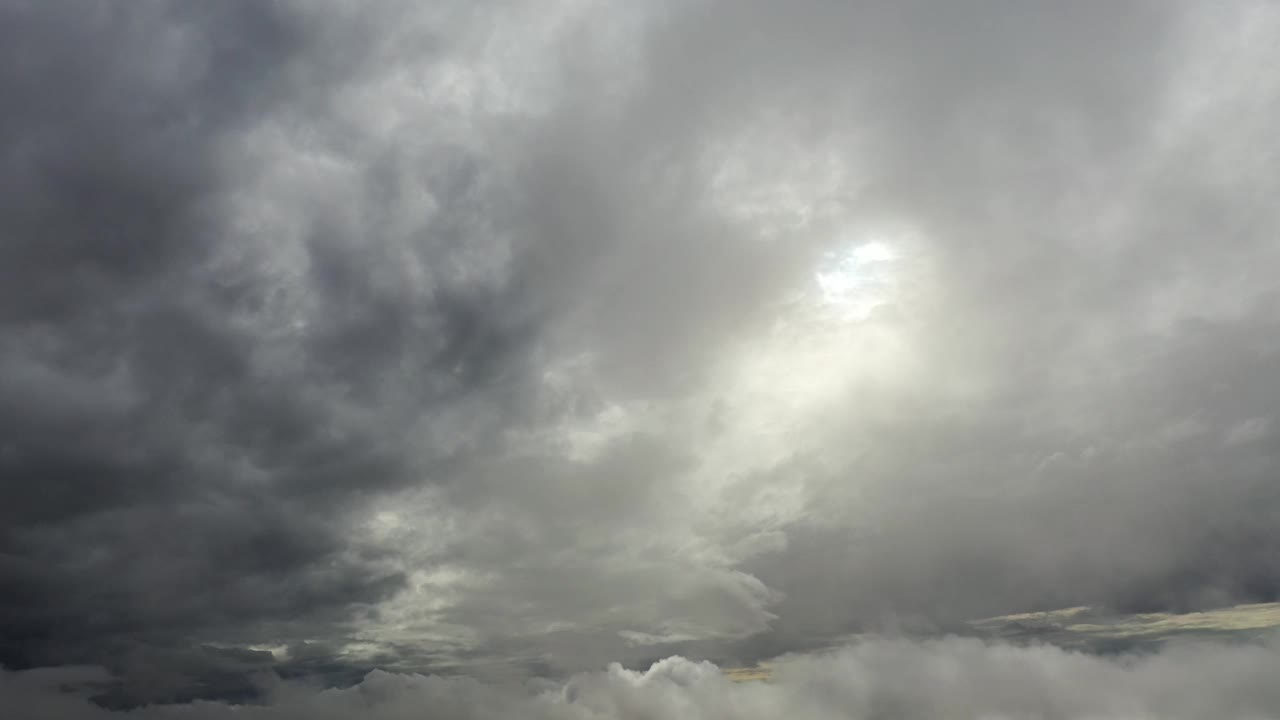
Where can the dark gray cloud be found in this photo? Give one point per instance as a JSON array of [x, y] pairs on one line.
[[517, 338], [163, 482]]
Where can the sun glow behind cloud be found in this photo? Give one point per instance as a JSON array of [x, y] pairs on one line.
[[855, 280], [780, 389], [823, 340]]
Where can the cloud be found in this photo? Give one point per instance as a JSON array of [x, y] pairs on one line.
[[511, 339], [1094, 630], [950, 677]]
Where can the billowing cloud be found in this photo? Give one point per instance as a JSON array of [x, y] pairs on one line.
[[512, 339], [947, 678]]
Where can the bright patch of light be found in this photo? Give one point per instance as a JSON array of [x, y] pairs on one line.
[[385, 523], [854, 280], [780, 390], [873, 252]]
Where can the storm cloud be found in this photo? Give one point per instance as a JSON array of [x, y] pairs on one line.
[[512, 339]]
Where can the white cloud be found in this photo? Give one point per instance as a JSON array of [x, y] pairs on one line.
[[946, 678]]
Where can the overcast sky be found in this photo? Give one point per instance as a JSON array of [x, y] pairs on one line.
[[507, 340]]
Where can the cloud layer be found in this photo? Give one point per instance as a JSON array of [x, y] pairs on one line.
[[512, 339], [949, 678]]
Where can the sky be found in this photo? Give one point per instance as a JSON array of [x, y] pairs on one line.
[[482, 359]]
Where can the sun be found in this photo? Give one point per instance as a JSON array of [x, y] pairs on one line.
[[854, 279]]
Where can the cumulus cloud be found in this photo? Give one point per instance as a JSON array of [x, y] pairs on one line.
[[945, 678], [510, 339]]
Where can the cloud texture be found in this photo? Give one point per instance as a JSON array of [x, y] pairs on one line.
[[949, 678], [511, 339]]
